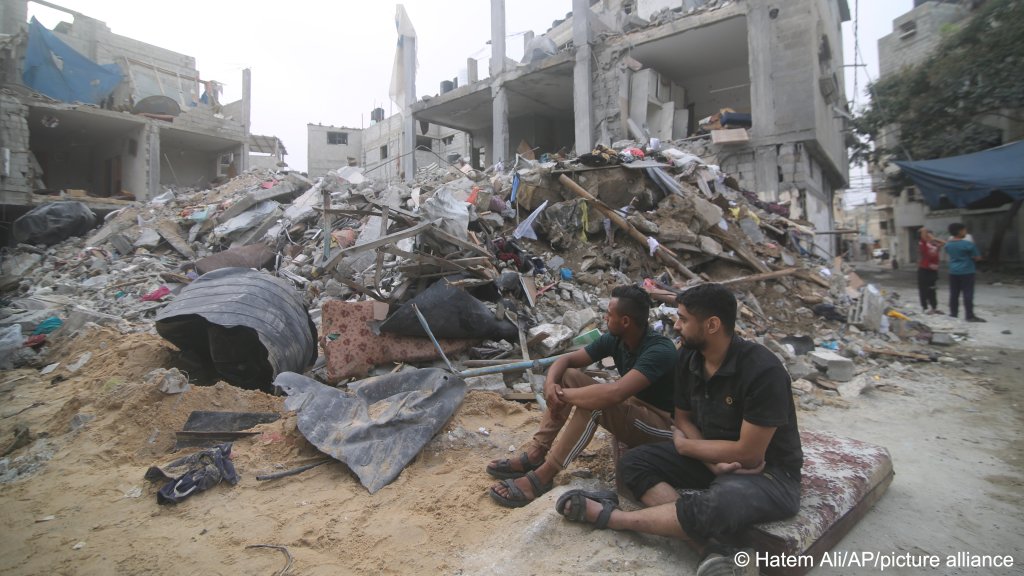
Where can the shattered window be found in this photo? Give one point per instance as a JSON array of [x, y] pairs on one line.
[[337, 138]]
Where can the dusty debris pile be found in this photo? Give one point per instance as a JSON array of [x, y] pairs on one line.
[[488, 266]]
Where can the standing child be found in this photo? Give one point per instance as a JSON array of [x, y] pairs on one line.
[[928, 270], [962, 256]]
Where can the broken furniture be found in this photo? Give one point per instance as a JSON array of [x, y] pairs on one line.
[[250, 326]]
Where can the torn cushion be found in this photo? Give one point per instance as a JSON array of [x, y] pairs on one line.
[[352, 348], [842, 479]]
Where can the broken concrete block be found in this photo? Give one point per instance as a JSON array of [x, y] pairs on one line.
[[853, 387], [836, 367], [79, 316], [148, 238], [799, 369], [942, 339], [576, 320], [171, 381], [710, 246], [804, 386], [487, 383], [709, 214], [558, 337], [642, 224]]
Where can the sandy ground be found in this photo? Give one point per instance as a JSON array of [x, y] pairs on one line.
[[954, 431]]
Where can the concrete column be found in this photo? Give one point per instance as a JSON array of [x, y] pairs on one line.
[[760, 30], [154, 157], [498, 150], [766, 173], [246, 117], [408, 122], [527, 38], [471, 73], [582, 77], [497, 37], [13, 16]]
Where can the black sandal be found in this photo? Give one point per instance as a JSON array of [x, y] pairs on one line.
[[516, 497], [502, 470], [608, 499]]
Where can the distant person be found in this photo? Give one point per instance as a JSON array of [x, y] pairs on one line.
[[929, 247], [962, 255]]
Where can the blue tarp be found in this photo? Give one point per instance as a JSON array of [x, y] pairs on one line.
[[969, 178], [57, 70]]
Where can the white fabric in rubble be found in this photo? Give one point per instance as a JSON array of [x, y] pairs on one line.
[[525, 227]]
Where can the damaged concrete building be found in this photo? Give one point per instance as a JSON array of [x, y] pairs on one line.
[[142, 119], [640, 69], [376, 147]]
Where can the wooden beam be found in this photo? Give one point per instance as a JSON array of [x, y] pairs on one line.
[[759, 277]]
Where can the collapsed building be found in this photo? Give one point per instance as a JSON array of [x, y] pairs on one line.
[[616, 70], [106, 118]]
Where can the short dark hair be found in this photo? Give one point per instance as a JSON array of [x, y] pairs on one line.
[[955, 228], [707, 300], [633, 302]]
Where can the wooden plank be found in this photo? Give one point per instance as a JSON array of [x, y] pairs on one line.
[[382, 241], [759, 277], [466, 245]]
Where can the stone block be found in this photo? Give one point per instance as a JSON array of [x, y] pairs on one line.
[[558, 337], [576, 320], [487, 383], [942, 339], [836, 367]]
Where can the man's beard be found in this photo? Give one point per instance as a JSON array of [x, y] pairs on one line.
[[698, 342]]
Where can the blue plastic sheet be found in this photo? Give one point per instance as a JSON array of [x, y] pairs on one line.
[[969, 178], [57, 70]]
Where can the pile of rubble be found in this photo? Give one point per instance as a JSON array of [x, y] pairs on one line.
[[488, 267]]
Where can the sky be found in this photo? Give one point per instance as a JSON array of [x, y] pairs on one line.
[[330, 62]]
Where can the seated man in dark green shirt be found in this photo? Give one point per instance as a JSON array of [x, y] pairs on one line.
[[635, 408], [735, 448]]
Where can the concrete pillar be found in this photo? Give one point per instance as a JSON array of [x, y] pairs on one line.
[[471, 73], [151, 144], [582, 77], [246, 117], [760, 29], [527, 38], [498, 150], [497, 37], [408, 122], [766, 173], [13, 16]]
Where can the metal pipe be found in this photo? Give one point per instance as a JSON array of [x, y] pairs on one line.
[[514, 367]]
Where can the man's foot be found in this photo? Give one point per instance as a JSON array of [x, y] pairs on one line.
[[976, 319], [518, 492], [733, 563], [592, 507], [516, 467]]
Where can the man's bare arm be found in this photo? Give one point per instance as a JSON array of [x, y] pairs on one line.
[[605, 395], [748, 451]]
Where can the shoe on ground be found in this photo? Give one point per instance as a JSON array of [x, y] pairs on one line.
[[976, 319], [716, 564]]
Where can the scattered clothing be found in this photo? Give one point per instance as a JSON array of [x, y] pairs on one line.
[[202, 471]]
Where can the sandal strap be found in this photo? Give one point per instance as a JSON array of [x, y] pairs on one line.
[[514, 492], [538, 488], [606, 514]]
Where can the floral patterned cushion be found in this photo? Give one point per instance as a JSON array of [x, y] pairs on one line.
[[842, 479], [352, 348]]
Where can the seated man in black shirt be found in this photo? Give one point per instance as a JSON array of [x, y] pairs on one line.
[[735, 446], [636, 408]]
